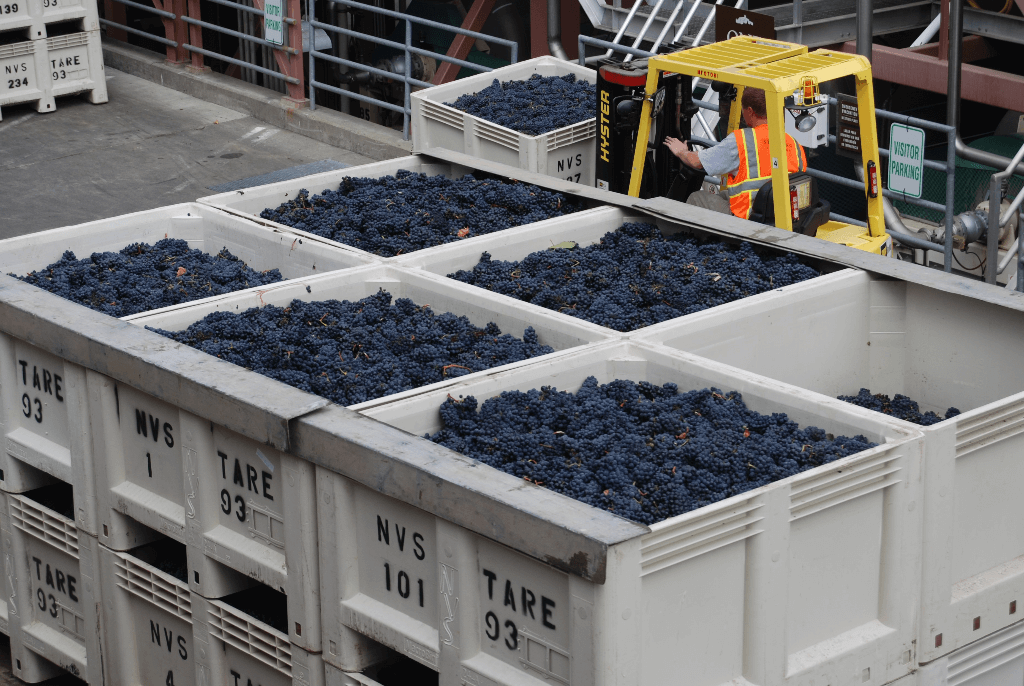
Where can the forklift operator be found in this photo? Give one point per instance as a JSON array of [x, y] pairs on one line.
[[742, 160]]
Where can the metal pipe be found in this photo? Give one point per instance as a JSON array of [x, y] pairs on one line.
[[643, 30], [622, 29], [929, 33], [417, 20], [555, 30], [355, 96], [160, 13], [706, 24], [989, 159], [239, 63], [240, 36], [1020, 253], [148, 36], [893, 220], [705, 125], [686, 21], [312, 61], [865, 33], [668, 25], [913, 241], [614, 47], [1010, 254], [992, 232], [956, 40], [408, 73], [1014, 206]]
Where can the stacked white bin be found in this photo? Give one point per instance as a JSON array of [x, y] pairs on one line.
[[134, 462], [567, 153], [50, 48]]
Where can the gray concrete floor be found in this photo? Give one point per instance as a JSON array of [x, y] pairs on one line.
[[148, 147]]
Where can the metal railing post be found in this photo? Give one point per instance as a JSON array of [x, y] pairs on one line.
[[180, 29], [1020, 253], [947, 258], [406, 47], [312, 62], [195, 34], [292, 64], [405, 78], [992, 232]]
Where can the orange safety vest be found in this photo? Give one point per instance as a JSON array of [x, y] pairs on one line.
[[756, 167]]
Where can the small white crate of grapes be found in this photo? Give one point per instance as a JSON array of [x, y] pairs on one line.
[[567, 153], [25, 73]]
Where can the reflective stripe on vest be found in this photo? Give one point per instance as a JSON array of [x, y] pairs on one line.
[[755, 167]]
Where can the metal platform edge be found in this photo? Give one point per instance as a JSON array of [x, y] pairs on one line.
[[728, 226]]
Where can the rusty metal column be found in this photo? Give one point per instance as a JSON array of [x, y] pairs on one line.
[[956, 43], [180, 30], [195, 35], [865, 28], [296, 61]]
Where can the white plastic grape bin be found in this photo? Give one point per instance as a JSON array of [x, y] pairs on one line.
[[235, 648], [250, 202], [996, 660], [53, 432], [851, 330], [813, 579], [75, 65], [584, 228], [4, 527], [147, 623], [480, 306], [201, 226], [245, 510], [45, 424], [18, 14], [53, 602], [35, 15], [25, 73], [567, 153], [242, 508]]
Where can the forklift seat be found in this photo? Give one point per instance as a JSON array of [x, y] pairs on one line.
[[813, 211]]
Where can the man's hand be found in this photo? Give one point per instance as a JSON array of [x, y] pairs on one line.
[[682, 151], [677, 146]]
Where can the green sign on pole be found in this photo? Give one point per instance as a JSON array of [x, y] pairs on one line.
[[273, 21], [906, 160]]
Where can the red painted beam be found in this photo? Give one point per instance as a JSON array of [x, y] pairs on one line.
[[975, 49], [460, 47], [977, 84]]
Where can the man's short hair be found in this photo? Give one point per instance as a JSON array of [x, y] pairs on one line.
[[754, 99]]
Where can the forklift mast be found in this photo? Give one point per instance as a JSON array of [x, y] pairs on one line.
[[620, 97]]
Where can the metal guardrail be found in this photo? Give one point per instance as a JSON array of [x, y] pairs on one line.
[[174, 28], [184, 26], [997, 220], [407, 48]]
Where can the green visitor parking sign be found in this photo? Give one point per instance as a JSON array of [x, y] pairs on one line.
[[273, 21], [906, 160]]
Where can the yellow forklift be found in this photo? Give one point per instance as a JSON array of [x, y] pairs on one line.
[[791, 78]]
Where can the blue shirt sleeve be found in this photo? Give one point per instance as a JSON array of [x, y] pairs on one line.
[[722, 159]]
